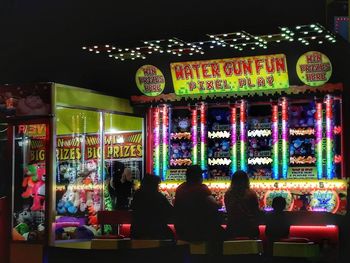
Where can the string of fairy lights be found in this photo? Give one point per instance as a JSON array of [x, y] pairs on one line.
[[239, 41]]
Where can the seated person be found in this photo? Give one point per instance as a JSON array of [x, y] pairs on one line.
[[151, 211], [242, 208], [196, 211], [277, 225]]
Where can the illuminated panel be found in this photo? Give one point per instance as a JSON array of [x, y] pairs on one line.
[[165, 141], [233, 139], [266, 185], [156, 168], [194, 137], [203, 135], [275, 141], [285, 155], [318, 144], [329, 137], [243, 134]]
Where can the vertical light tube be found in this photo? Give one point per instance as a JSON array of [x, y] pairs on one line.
[[285, 142], [203, 135], [329, 137], [156, 119], [194, 136], [318, 143], [275, 141], [233, 139], [243, 134], [165, 141]]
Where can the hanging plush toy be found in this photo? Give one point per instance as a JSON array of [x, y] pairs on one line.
[[39, 190], [34, 181]]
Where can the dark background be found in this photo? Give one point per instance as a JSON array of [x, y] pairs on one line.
[[41, 40]]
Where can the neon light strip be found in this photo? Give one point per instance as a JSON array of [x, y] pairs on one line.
[[319, 157], [285, 154], [243, 134], [329, 136], [194, 137], [275, 141], [165, 121], [156, 135], [203, 135], [233, 139]]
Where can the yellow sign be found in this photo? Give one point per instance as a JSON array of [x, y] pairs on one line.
[[230, 75], [150, 80], [314, 68]]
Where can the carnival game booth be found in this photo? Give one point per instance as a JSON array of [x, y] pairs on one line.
[[61, 143], [278, 116]]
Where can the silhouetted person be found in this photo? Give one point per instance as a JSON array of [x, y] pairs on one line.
[[151, 211], [242, 208], [277, 225], [196, 211], [121, 185]]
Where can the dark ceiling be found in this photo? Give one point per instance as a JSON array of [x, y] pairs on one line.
[[42, 40]]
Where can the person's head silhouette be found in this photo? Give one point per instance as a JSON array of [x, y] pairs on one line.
[[279, 204], [194, 174], [240, 180], [150, 183]]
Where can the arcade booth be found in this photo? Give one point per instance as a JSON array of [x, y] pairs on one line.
[[59, 144], [276, 113], [243, 113]]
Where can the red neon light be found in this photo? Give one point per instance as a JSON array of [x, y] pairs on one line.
[[314, 233]]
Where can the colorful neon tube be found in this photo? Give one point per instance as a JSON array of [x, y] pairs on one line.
[[243, 134], [194, 136], [156, 136], [233, 139], [203, 123], [329, 138], [165, 140], [318, 142], [285, 149], [275, 141]]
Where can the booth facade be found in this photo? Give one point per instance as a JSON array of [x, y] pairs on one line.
[[59, 142], [279, 117]]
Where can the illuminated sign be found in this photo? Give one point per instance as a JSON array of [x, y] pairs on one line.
[[314, 68], [230, 75], [32, 130], [150, 80], [126, 145], [302, 172]]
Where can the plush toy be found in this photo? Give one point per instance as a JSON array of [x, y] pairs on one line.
[[24, 220], [97, 200], [69, 202], [39, 190], [29, 180], [82, 200], [67, 173], [92, 218], [90, 172], [34, 181]]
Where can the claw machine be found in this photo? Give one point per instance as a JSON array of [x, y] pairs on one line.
[[59, 147]]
